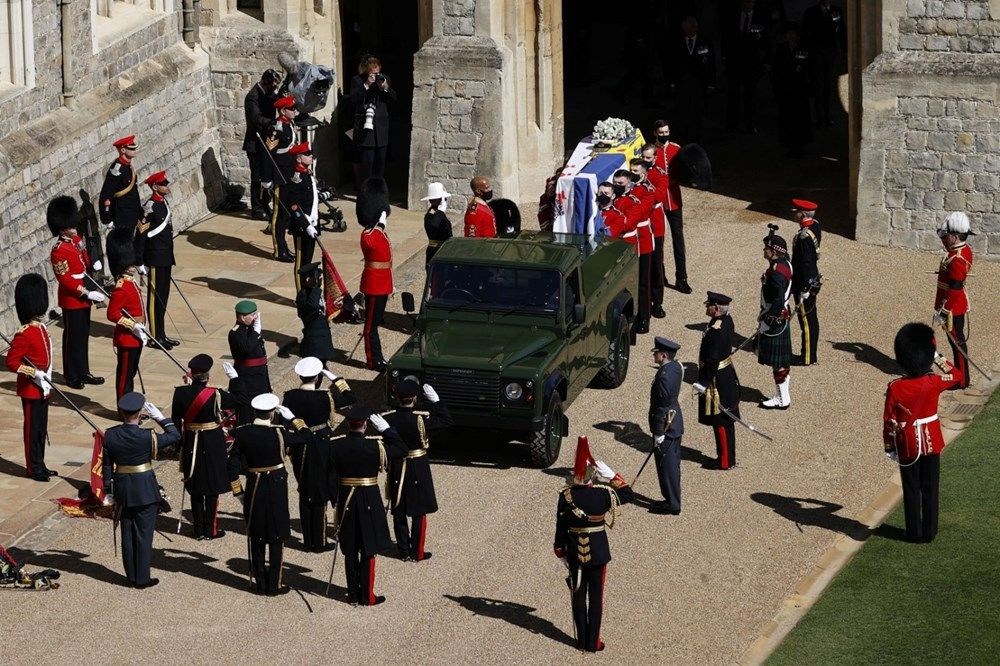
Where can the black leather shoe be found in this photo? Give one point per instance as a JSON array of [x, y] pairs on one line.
[[75, 383], [663, 509], [41, 476], [379, 366], [683, 287], [51, 472], [378, 600], [286, 257], [426, 556], [152, 583], [217, 535], [171, 342], [259, 215], [284, 589], [658, 312], [91, 379], [642, 327]]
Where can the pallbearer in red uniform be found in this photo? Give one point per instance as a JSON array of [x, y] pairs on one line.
[[30, 357], [912, 432], [158, 256], [376, 279], [951, 302], [480, 221], [70, 263], [665, 155], [636, 211], [125, 311], [657, 177], [586, 507]]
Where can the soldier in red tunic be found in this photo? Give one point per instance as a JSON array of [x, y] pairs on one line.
[[912, 432], [376, 279], [70, 263], [657, 177], [125, 311], [30, 357], [951, 302], [666, 153], [636, 212], [480, 221]]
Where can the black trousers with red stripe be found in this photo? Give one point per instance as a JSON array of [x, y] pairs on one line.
[[410, 542], [958, 330], [36, 426], [725, 443], [76, 344], [128, 365], [658, 277], [360, 573], [157, 295], [374, 313], [588, 605], [266, 570], [204, 515]]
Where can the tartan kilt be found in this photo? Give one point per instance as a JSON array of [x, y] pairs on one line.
[[775, 350]]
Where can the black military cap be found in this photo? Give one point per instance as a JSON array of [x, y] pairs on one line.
[[776, 243], [131, 402], [201, 363], [358, 413], [407, 388], [308, 269], [664, 345], [715, 298]]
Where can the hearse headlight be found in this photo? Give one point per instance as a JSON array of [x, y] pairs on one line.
[[513, 391]]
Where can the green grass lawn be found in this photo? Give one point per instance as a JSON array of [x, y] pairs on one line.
[[937, 603]]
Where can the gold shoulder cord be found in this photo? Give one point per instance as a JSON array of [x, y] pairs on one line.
[[152, 439], [609, 517], [422, 429], [281, 444]]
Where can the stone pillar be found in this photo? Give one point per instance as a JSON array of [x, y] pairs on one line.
[[283, 14], [864, 43]]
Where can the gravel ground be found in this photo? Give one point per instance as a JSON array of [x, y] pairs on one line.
[[696, 588]]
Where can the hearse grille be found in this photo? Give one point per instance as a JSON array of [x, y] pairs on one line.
[[466, 389]]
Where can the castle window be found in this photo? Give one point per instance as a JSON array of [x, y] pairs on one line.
[[17, 55], [114, 20]]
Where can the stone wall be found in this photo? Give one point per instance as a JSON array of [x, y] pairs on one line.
[[958, 26]]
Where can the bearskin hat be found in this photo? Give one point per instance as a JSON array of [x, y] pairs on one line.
[[62, 214], [31, 297], [373, 200], [694, 168], [508, 217], [120, 250], [915, 347]]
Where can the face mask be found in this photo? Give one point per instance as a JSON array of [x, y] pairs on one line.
[[649, 165], [603, 199], [619, 190], [662, 138], [487, 195], [636, 178]]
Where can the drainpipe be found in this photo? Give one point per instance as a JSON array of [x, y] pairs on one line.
[[187, 25], [66, 30]]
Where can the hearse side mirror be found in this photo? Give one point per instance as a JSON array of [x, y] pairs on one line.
[[579, 313], [409, 307]]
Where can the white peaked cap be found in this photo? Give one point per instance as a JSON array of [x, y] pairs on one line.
[[310, 366], [265, 402], [435, 191]]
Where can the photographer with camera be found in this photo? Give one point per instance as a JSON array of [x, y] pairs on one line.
[[371, 96]]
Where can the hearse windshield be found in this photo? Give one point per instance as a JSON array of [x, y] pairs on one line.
[[528, 290]]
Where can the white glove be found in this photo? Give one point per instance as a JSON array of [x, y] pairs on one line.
[[256, 322], [141, 270], [603, 470], [95, 296], [311, 230], [42, 378], [153, 411], [286, 413], [805, 295], [659, 439], [268, 185], [139, 330], [938, 319], [329, 375], [762, 327], [698, 388], [380, 423], [229, 370], [430, 393], [109, 499], [892, 455], [98, 265]]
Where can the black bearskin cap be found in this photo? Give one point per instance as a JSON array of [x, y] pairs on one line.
[[120, 250], [62, 214], [508, 217], [693, 167], [31, 297], [373, 200], [915, 347]]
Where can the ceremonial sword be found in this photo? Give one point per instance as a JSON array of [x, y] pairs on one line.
[[958, 346], [670, 419]]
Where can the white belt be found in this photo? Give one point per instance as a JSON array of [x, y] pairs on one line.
[[659, 205], [78, 276], [643, 224], [282, 151], [918, 427], [157, 230], [629, 234]]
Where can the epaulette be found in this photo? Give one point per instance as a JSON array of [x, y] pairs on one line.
[[717, 324], [338, 437], [378, 437], [391, 411], [421, 413], [236, 327], [116, 168], [296, 177], [22, 329], [148, 206]]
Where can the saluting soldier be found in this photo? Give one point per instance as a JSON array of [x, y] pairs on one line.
[[279, 141], [30, 358], [372, 209], [774, 339], [246, 345], [480, 221], [129, 452], [125, 311], [951, 300], [197, 412], [120, 201], [304, 198], [361, 525], [437, 226], [158, 256], [806, 277], [259, 450], [666, 423], [411, 485], [311, 461], [70, 263], [586, 506], [718, 385]]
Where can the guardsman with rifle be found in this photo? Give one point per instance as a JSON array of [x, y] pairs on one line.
[[197, 412], [411, 486], [129, 452], [125, 311], [311, 457], [158, 257], [912, 431], [372, 209], [70, 263], [246, 345], [360, 522], [30, 358], [951, 300], [806, 280], [303, 199], [587, 508], [718, 386], [259, 450], [119, 199], [278, 171], [666, 423], [774, 339]]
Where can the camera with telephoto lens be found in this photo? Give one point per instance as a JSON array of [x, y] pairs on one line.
[[379, 79], [332, 219], [369, 116]]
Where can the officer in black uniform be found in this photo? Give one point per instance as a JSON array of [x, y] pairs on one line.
[[718, 385], [310, 305], [311, 462], [246, 344], [361, 525], [667, 423], [437, 226], [158, 257], [303, 199], [806, 277], [278, 172], [411, 486], [120, 201], [258, 107], [588, 504], [259, 450], [196, 411], [128, 471], [692, 74]]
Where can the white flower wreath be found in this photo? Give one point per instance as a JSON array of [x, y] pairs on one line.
[[613, 131]]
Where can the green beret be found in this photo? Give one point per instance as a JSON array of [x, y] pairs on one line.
[[246, 307]]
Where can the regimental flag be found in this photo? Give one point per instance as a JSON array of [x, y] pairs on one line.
[[90, 505], [334, 289], [96, 466]]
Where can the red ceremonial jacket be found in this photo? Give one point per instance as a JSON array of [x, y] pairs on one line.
[[659, 180], [664, 156], [616, 222], [376, 278], [69, 263], [955, 267], [480, 222], [638, 229], [910, 419], [30, 343], [125, 297]]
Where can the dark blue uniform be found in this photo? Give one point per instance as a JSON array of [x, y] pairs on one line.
[[128, 454], [663, 399]]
